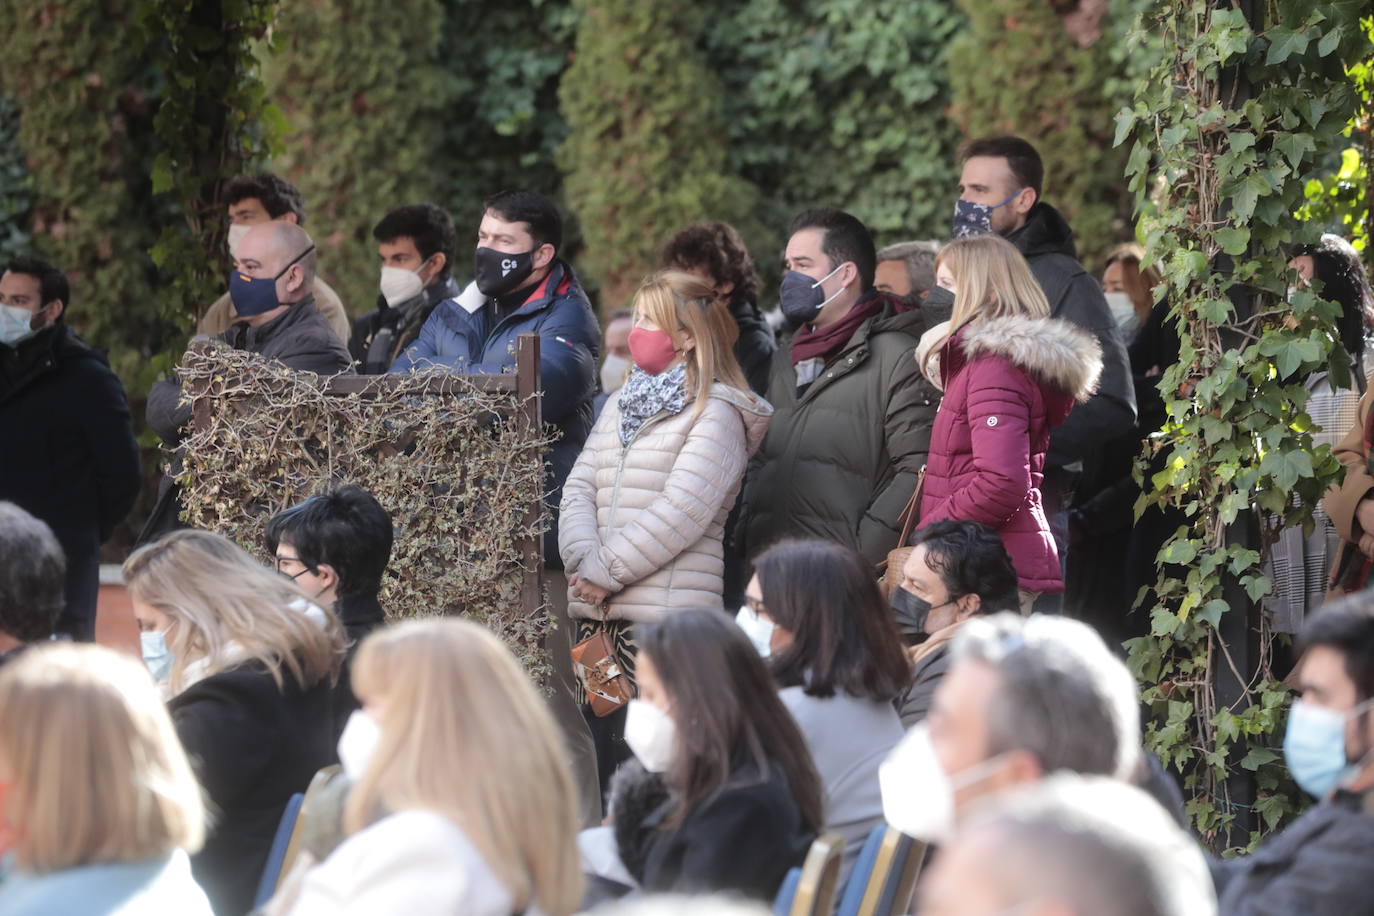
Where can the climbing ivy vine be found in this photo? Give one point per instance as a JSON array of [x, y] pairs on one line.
[[1227, 131]]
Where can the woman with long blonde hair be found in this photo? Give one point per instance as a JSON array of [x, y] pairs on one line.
[[100, 806], [1010, 373], [644, 509], [250, 667], [463, 801]]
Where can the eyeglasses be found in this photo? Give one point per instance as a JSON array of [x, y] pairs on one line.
[[755, 605], [293, 577]]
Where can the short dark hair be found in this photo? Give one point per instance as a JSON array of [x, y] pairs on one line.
[[971, 559], [843, 238], [534, 210], [1023, 160], [718, 249], [345, 528], [52, 283], [277, 195], [844, 636], [728, 711], [1347, 627], [427, 225], [33, 575]]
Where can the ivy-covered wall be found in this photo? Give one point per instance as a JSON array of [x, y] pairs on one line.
[[363, 92], [1034, 70]]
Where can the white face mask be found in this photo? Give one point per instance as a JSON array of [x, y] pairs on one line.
[[156, 655], [651, 735], [236, 233], [613, 372], [15, 325], [358, 743], [758, 628], [918, 798], [1123, 312], [400, 285]]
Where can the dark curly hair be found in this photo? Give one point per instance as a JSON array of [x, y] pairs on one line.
[[971, 559], [718, 249], [1341, 279]]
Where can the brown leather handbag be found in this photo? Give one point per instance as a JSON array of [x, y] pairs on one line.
[[890, 570], [608, 687]]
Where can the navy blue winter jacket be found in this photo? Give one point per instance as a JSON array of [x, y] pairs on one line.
[[478, 342]]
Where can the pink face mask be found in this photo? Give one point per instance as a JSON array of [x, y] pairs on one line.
[[652, 351]]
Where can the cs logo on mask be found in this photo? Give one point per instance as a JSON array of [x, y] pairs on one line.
[[507, 265]]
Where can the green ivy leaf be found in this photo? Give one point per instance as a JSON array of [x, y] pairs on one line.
[[1293, 146], [1283, 43], [1258, 757], [1233, 240]]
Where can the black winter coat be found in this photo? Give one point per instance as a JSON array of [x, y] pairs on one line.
[[1047, 243], [67, 449], [756, 345], [379, 336], [252, 745], [744, 839], [1322, 865]]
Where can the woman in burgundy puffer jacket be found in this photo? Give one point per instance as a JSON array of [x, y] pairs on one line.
[[1010, 374]]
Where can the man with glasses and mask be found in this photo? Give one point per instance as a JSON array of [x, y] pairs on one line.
[[272, 289], [957, 569], [524, 287], [1023, 698], [1323, 863], [336, 546], [852, 413]]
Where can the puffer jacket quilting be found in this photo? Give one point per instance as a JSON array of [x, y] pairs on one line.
[[1008, 382], [645, 521]]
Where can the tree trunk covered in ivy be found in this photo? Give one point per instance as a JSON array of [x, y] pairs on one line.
[[361, 88], [646, 151], [1228, 130], [1023, 68], [840, 103], [84, 112]]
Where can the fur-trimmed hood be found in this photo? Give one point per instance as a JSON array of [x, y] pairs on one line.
[[1057, 353]]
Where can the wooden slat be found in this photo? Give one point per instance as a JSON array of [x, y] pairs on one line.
[[527, 388], [438, 384]]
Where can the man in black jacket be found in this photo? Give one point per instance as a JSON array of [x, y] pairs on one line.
[[999, 191], [67, 449], [271, 288], [415, 244], [1323, 863]]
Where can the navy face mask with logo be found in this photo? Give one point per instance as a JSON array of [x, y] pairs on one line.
[[255, 295]]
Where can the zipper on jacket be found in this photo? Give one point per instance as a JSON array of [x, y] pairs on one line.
[[620, 466]]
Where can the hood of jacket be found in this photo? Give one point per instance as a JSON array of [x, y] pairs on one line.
[[1057, 353], [753, 410], [1045, 232]]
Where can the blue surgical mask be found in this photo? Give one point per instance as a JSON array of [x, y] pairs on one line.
[[255, 295], [156, 655], [972, 219], [1314, 746], [801, 298]]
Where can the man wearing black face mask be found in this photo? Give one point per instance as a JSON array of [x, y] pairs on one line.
[[525, 287], [852, 413], [958, 570]]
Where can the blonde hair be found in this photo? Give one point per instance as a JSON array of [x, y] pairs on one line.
[[992, 281], [228, 609], [683, 304], [464, 734], [96, 772]]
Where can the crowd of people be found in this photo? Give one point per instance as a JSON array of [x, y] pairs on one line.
[[863, 562]]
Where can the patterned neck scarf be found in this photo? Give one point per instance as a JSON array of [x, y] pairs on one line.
[[645, 395]]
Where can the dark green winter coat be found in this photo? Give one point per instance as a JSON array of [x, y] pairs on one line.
[[841, 461]]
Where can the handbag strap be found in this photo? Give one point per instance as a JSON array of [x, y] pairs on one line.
[[912, 510]]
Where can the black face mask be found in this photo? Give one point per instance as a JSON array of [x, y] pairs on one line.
[[499, 272], [912, 613], [937, 306]]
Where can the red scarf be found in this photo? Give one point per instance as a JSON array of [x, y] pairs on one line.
[[810, 342]]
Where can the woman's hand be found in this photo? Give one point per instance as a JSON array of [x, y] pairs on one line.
[[587, 592]]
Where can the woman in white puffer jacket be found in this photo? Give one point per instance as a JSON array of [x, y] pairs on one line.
[[644, 508]]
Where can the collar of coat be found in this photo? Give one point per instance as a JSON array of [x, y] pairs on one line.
[[1056, 353], [558, 281]]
